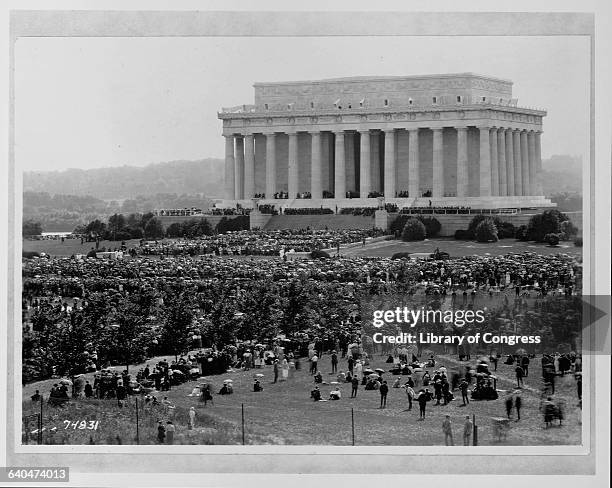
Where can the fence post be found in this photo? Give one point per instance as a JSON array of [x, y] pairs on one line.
[[353, 425], [137, 428], [40, 431], [242, 406], [475, 430], [39, 435]]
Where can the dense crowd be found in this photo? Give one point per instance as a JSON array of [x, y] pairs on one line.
[[256, 243], [527, 271]]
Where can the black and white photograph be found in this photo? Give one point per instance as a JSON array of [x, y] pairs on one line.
[[258, 233]]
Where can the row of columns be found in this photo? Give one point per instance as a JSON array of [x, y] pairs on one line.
[[510, 164]]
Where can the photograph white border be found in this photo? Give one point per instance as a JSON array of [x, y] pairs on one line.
[[468, 23]]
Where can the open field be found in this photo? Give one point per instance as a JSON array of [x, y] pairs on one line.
[[55, 247], [461, 248], [284, 414], [375, 249]]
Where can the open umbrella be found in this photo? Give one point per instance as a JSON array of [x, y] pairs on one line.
[[66, 381], [259, 375], [367, 371], [373, 375], [521, 351], [379, 370]]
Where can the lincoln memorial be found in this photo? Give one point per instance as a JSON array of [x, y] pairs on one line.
[[452, 139]]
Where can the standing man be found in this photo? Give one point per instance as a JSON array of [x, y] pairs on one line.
[[410, 395], [423, 398], [275, 370], [525, 365], [354, 386], [518, 403], [509, 404], [468, 428], [447, 428], [334, 361], [519, 376], [351, 363], [313, 363], [384, 389], [463, 386]]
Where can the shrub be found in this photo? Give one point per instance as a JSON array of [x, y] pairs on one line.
[[547, 222], [240, 222], [432, 225], [504, 229], [399, 223], [578, 242], [476, 220], [522, 233], [568, 230], [414, 230], [552, 239], [486, 231], [318, 254]]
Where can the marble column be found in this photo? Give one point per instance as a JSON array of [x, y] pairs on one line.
[[533, 185], [375, 170], [293, 165], [340, 167], [249, 166], [270, 165], [538, 160], [413, 163], [485, 162], [518, 165], [364, 164], [510, 162], [462, 162], [316, 188], [501, 160], [438, 163], [494, 163], [239, 169], [525, 163], [389, 163], [229, 168]]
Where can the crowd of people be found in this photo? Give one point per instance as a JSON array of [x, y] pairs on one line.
[[254, 243]]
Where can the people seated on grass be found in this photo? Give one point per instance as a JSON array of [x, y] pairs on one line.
[[316, 394], [335, 394], [257, 386], [318, 377]]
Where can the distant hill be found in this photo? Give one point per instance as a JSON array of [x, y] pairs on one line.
[[562, 174], [203, 177]]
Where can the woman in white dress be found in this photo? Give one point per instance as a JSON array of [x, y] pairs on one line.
[[285, 370], [358, 369]]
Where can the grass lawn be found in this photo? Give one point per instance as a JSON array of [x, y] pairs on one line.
[[461, 248], [55, 247], [284, 414]]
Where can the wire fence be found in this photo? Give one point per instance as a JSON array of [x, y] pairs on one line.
[[135, 421]]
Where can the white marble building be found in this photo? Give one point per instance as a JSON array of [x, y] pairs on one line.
[[453, 139]]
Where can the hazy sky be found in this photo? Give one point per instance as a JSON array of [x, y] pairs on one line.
[[93, 102]]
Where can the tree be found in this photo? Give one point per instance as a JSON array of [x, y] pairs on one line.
[[96, 227], [178, 318], [174, 230], [414, 230], [486, 231], [153, 228], [31, 228]]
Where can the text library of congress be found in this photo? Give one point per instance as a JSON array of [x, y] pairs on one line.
[[452, 139]]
